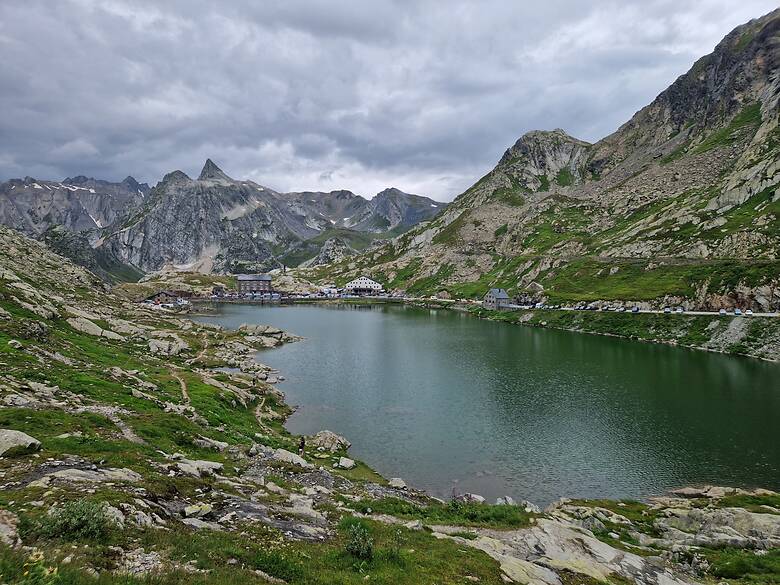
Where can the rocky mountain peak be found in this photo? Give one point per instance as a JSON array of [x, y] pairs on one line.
[[543, 140], [211, 172], [175, 177], [390, 192], [77, 180], [130, 182]]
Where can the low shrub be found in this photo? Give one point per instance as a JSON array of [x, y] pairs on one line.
[[359, 542], [76, 520]]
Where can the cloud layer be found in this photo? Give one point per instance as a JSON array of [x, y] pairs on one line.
[[330, 94]]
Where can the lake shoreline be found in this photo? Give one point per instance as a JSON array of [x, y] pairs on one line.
[[325, 410]]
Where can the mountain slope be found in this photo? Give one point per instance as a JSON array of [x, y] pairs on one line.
[[212, 223], [680, 204], [77, 204]]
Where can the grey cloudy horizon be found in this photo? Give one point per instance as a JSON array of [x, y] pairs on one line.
[[421, 95]]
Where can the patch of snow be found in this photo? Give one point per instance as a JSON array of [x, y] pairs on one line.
[[37, 186], [97, 222], [91, 190], [434, 205]]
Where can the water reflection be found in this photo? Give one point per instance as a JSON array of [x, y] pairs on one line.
[[451, 402]]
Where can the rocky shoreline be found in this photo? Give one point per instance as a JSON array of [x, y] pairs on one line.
[[138, 445]]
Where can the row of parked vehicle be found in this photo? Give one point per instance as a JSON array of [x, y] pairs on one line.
[[635, 309]]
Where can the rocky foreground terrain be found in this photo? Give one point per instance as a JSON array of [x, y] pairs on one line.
[[679, 206], [139, 447]]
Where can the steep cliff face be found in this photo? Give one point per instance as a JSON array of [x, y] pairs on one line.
[[204, 224], [680, 203], [333, 250], [77, 204]]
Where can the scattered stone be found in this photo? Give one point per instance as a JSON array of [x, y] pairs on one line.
[[13, 443], [506, 501], [15, 343], [469, 498], [138, 562], [397, 482]]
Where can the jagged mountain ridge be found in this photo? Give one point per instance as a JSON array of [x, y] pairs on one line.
[[77, 204], [679, 204], [210, 223]]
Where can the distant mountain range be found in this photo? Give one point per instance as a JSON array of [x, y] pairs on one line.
[[680, 205], [212, 223]]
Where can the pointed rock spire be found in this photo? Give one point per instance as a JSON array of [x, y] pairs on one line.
[[211, 172]]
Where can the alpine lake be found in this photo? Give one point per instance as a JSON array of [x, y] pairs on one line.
[[456, 404]]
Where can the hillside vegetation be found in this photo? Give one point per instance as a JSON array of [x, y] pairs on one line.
[[681, 205]]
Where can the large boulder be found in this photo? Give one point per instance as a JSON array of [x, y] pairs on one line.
[[199, 467], [90, 328], [17, 443], [345, 463], [397, 482], [111, 474], [288, 457], [719, 527], [329, 441]]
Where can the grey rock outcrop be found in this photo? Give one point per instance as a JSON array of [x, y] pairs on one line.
[[329, 441], [17, 443]]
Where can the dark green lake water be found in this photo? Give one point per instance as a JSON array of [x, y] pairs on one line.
[[453, 403]]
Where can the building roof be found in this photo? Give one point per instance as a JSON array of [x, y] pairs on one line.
[[498, 293], [253, 277], [363, 279]]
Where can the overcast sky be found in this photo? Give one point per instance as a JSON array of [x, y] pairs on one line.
[[329, 94]]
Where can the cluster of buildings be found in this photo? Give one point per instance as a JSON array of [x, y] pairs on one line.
[[359, 287], [259, 287]]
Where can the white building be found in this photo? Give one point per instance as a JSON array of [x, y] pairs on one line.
[[363, 285]]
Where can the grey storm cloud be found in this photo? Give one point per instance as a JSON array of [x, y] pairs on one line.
[[422, 95]]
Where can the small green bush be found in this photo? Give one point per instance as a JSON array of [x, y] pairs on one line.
[[359, 542], [77, 520]]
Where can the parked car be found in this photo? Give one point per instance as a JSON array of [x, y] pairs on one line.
[[634, 309], [749, 312], [737, 312], [667, 310], [679, 310], [722, 312]]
